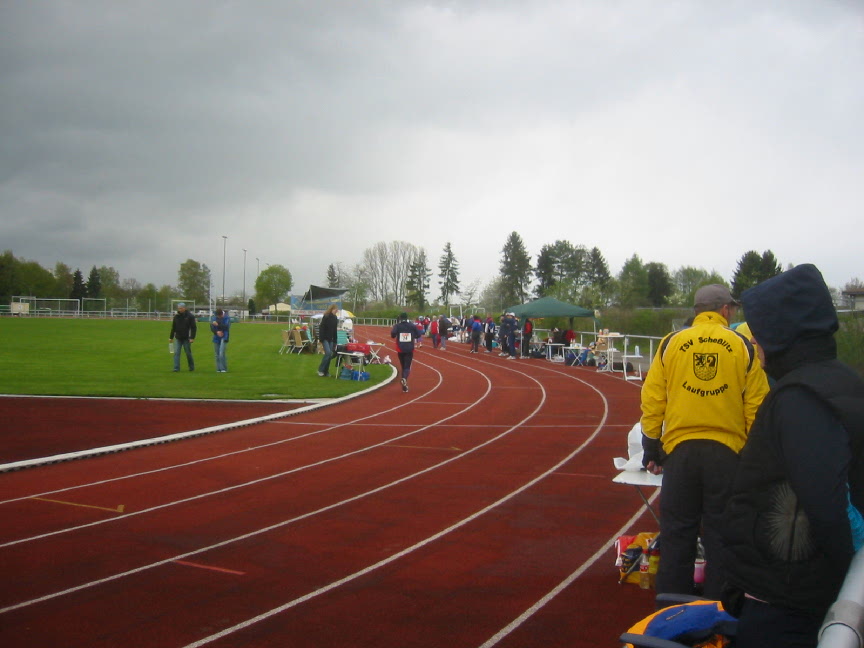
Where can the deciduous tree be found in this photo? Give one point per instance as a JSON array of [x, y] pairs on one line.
[[273, 285]]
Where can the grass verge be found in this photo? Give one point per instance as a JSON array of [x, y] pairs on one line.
[[71, 357]]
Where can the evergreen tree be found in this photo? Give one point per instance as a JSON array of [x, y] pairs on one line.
[[417, 283], [332, 277], [79, 290], [659, 284], [94, 284], [753, 269], [597, 271], [515, 269], [448, 271], [545, 271], [633, 283]]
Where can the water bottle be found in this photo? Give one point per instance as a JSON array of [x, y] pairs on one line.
[[644, 575], [653, 565], [699, 566]]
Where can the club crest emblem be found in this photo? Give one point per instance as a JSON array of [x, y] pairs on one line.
[[705, 365]]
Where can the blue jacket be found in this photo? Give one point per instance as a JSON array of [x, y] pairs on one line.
[[220, 324], [405, 333]]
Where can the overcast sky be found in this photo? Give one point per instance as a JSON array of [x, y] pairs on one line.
[[137, 134]]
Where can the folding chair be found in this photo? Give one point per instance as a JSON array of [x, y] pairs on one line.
[[298, 342], [287, 342]]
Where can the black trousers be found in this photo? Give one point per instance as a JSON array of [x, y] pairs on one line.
[[697, 482], [405, 360], [763, 625]]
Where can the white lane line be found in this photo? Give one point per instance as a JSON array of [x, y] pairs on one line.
[[323, 590], [555, 591], [272, 527], [234, 452], [228, 489]]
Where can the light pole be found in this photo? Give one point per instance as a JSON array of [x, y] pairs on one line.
[[259, 268], [243, 305], [224, 244]]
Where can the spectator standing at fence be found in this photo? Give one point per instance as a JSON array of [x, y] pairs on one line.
[[489, 333], [328, 334], [220, 325], [405, 333], [503, 335], [183, 331], [527, 333], [698, 402], [790, 525], [512, 324]]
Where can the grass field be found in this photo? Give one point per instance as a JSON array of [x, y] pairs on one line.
[[71, 357]]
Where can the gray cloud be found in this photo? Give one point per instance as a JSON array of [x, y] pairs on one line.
[[136, 134]]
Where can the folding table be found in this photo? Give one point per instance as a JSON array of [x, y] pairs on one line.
[[350, 357]]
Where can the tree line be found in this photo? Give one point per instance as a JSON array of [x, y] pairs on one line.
[[398, 273]]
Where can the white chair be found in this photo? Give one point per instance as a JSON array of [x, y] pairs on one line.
[[637, 366]]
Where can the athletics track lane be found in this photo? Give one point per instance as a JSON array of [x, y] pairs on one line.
[[509, 506]]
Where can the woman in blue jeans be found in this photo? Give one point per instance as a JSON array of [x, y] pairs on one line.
[[327, 337]]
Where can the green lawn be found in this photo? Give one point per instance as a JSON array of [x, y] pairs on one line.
[[71, 357]]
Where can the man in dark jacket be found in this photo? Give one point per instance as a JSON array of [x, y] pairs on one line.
[[405, 333], [800, 483], [183, 330]]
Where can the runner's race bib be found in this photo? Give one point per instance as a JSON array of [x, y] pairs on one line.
[[405, 337]]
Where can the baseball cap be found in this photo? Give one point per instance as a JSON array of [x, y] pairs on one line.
[[714, 295], [181, 305]]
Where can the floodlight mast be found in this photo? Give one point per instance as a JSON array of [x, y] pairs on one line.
[[224, 244]]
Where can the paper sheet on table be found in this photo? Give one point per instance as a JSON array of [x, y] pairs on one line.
[[634, 450]]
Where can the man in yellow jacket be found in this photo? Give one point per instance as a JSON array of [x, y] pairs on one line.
[[699, 400]]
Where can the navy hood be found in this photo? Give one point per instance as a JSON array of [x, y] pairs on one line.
[[792, 307]]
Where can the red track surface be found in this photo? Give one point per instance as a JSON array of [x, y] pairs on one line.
[[476, 510]]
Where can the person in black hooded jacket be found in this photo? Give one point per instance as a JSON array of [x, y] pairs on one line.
[[790, 524]]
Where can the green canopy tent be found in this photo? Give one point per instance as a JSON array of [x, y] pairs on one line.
[[549, 307]]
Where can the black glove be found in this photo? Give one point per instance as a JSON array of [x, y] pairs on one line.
[[652, 450]]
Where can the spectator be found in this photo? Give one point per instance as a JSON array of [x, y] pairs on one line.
[[476, 327], [433, 333], [527, 333], [405, 333], [790, 523], [183, 330], [698, 402], [328, 335], [489, 332], [503, 335], [443, 331], [512, 324], [220, 325]]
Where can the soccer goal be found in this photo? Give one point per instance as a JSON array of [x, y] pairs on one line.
[[190, 304], [45, 307], [94, 305]]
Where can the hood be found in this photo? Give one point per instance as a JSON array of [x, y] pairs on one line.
[[792, 307]]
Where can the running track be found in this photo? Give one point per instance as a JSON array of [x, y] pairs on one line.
[[477, 510]]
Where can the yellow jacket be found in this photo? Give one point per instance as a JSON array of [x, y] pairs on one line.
[[704, 383]]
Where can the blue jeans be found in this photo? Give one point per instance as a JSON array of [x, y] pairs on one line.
[[186, 345], [329, 352], [221, 358]]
